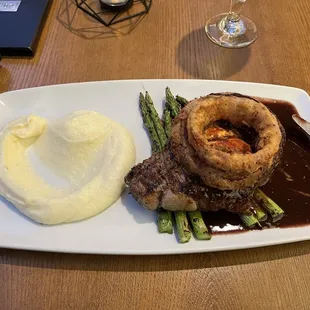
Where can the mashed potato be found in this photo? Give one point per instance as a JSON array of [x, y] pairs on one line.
[[65, 171]]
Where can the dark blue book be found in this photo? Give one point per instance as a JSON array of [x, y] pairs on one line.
[[21, 22]]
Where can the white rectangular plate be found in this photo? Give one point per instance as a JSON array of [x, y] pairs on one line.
[[127, 228]]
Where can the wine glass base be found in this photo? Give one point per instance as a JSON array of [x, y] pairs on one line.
[[234, 34]]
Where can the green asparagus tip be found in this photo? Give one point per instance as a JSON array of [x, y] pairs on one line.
[[156, 120], [172, 103], [182, 101], [149, 125]]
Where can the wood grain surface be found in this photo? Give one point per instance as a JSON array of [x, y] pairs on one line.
[[168, 43]]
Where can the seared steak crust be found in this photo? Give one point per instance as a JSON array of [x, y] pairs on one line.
[[160, 181]]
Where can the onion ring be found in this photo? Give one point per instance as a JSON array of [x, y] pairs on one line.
[[220, 168]]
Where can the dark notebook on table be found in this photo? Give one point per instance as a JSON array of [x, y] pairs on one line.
[[21, 22]]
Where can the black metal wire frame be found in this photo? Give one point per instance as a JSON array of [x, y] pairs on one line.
[[84, 6]]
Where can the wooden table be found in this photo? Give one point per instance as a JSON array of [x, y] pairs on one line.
[[168, 43]]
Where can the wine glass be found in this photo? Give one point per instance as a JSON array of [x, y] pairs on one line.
[[231, 29]]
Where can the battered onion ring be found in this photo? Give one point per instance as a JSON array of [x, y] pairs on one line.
[[221, 169]]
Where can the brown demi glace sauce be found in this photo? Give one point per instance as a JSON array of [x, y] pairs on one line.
[[289, 185]]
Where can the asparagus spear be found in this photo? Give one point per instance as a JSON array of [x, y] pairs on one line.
[[173, 108], [269, 205], [259, 213], [164, 217], [156, 120], [249, 219], [172, 104], [198, 225], [182, 101], [165, 221], [167, 122], [156, 145], [184, 234], [253, 216]]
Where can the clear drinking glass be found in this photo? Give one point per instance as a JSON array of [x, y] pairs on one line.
[[231, 29]]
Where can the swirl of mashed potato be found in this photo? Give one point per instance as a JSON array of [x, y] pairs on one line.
[[66, 170]]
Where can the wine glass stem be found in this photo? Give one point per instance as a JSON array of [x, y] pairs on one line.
[[232, 24], [235, 10]]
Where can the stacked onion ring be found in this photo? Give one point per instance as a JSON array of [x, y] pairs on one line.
[[218, 164]]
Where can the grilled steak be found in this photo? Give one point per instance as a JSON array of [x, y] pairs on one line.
[[160, 181]]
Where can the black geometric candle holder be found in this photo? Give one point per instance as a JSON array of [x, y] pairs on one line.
[[109, 17], [87, 19]]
